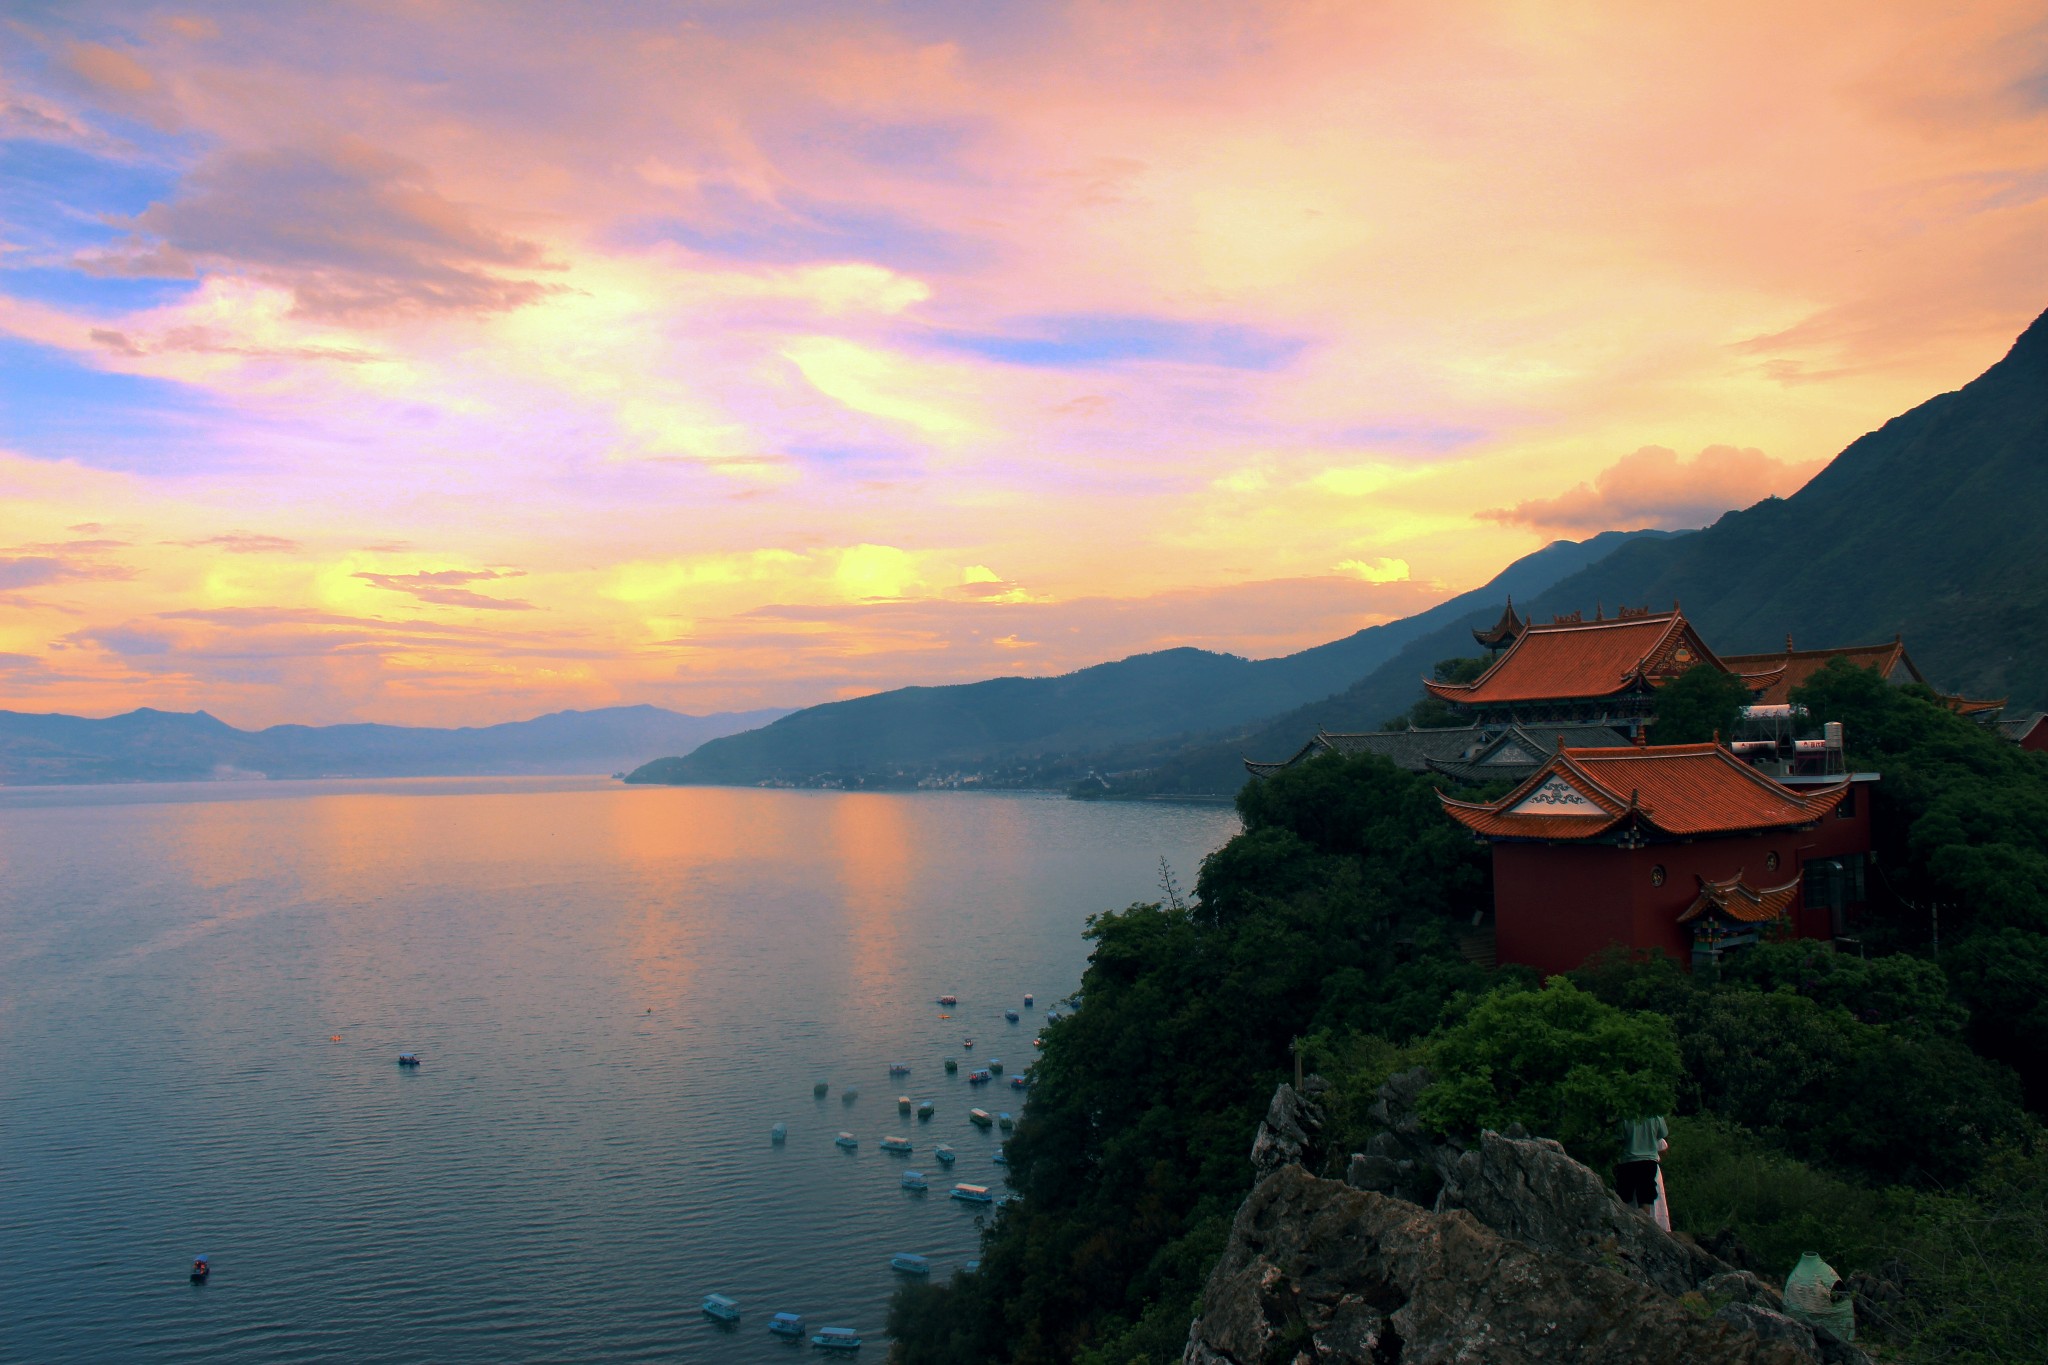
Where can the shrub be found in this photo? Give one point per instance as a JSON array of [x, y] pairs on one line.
[[1557, 1060]]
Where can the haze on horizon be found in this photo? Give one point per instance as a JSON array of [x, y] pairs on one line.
[[450, 363]]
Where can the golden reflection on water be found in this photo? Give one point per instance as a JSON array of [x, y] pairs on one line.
[[871, 843]]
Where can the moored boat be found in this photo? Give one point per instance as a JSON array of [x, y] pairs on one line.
[[787, 1324], [903, 1104], [720, 1307], [847, 1140], [924, 1109], [1010, 1015], [949, 1000], [980, 1076], [1027, 1000], [973, 1194], [1005, 1122], [944, 1153], [836, 1339], [899, 1068], [999, 1158], [820, 1088], [951, 1066], [1018, 1082], [778, 1133], [980, 1118], [910, 1263], [914, 1180], [896, 1144], [849, 1095], [408, 1059], [995, 1064]]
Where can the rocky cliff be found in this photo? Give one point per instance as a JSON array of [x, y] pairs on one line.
[[1520, 1254]]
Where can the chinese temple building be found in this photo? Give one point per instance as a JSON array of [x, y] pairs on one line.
[[2029, 732], [1681, 847], [1890, 661], [1599, 672], [1468, 753]]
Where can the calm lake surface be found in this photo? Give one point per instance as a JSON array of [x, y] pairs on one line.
[[615, 993]]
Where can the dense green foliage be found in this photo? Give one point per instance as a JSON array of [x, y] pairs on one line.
[[1327, 916], [1558, 1061], [1429, 713], [1700, 704], [1820, 1100]]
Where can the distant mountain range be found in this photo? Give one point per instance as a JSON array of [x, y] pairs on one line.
[[1018, 731], [1931, 526], [171, 746]]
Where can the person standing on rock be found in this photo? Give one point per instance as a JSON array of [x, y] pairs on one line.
[[1643, 1142]]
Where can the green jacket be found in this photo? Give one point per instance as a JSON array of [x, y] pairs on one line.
[[1639, 1138]]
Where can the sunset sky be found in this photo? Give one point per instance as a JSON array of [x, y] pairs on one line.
[[453, 362]]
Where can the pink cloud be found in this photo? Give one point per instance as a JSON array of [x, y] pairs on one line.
[[1656, 487]]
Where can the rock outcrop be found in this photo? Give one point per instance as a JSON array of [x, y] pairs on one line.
[[1432, 1250], [1316, 1271]]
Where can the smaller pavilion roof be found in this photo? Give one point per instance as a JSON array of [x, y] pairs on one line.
[[1572, 658], [2018, 728], [1411, 750], [1737, 900], [1503, 631], [1517, 750], [1674, 790]]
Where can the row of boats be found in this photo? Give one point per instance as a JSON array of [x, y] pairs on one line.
[[723, 1308]]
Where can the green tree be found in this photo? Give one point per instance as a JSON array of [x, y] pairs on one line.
[[1698, 705], [1558, 1060]]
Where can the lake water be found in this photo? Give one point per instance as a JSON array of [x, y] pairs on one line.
[[615, 993]]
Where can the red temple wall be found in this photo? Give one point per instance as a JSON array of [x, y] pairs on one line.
[[1555, 905]]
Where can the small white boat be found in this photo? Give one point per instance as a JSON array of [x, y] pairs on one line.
[[896, 1144], [980, 1118], [720, 1307], [944, 1153], [836, 1339], [914, 1180], [973, 1194], [847, 1140], [779, 1133], [910, 1263], [787, 1324], [1000, 1159]]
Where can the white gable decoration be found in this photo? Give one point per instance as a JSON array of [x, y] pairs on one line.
[[1556, 797], [1509, 753]]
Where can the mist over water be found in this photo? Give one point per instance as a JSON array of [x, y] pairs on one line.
[[615, 993]]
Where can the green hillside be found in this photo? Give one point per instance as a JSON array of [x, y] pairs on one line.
[[1929, 526], [1038, 730]]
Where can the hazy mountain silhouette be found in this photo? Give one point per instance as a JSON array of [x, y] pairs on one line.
[[1043, 725], [149, 745]]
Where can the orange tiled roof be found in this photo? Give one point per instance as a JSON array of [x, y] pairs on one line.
[[1574, 658], [1735, 899], [1672, 789], [1801, 664]]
